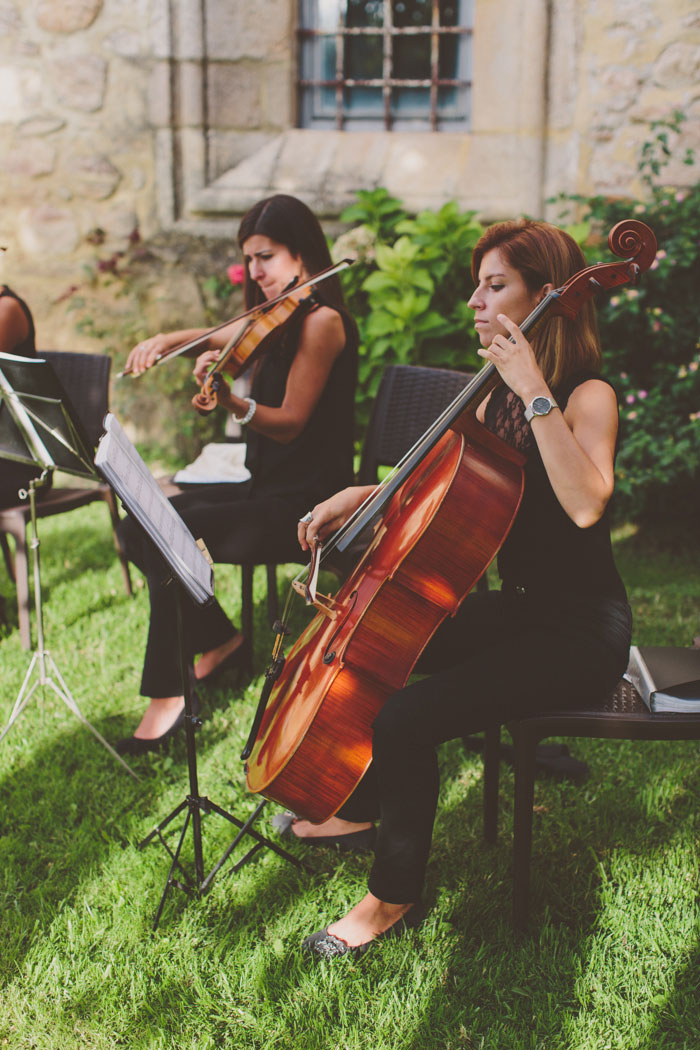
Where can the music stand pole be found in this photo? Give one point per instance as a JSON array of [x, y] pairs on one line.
[[196, 804], [42, 662]]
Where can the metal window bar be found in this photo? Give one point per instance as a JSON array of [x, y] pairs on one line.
[[388, 31]]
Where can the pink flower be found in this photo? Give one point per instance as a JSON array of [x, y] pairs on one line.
[[631, 415], [641, 394], [630, 399], [236, 273], [656, 326]]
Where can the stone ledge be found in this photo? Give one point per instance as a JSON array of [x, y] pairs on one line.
[[327, 168]]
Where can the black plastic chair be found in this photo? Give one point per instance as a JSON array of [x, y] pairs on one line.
[[409, 399], [85, 378], [624, 716]]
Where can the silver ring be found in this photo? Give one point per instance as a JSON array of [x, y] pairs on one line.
[[308, 517]]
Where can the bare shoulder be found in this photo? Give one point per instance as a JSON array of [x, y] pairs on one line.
[[594, 395], [324, 326]]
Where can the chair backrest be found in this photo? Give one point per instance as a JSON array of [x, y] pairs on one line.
[[409, 399], [85, 378]]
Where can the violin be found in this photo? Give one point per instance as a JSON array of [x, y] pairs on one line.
[[252, 340], [292, 296], [438, 521]]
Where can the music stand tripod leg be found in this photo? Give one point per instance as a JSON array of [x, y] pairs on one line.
[[196, 804], [42, 658]]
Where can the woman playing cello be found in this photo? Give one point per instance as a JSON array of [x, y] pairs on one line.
[[562, 604], [299, 425]]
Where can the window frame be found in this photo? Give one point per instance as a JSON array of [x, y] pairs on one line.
[[387, 33]]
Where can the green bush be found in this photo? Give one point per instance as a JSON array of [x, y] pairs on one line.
[[651, 340], [408, 288]]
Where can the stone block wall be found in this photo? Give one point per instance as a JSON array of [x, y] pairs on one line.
[[171, 116]]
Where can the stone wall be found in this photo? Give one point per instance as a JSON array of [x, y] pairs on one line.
[[171, 116]]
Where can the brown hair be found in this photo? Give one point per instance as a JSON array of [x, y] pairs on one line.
[[290, 222], [544, 254]]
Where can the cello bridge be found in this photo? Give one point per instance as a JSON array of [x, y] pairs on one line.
[[323, 602]]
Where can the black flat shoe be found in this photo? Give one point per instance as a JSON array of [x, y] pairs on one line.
[[136, 745], [235, 661], [352, 842], [325, 945]]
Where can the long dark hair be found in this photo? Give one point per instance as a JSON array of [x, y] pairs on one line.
[[544, 254], [290, 222]]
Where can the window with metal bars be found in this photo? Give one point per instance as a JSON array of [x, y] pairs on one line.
[[397, 65]]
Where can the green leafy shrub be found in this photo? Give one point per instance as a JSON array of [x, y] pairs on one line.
[[651, 340], [408, 288]]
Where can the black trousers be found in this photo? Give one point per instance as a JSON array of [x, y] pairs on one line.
[[237, 526], [503, 656]]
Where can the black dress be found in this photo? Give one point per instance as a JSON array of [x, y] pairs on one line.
[[254, 521], [558, 632]]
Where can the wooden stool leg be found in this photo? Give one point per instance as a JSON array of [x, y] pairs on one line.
[[273, 608], [109, 499], [22, 580], [247, 613], [492, 758], [7, 556], [524, 750]]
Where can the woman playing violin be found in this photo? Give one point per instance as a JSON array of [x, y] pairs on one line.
[[299, 427], [559, 629]]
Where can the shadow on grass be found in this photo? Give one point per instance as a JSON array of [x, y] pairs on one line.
[[677, 1022]]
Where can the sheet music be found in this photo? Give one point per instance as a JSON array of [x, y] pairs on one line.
[[122, 466]]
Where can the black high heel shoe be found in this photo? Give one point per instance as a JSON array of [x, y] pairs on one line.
[[235, 661], [136, 745]]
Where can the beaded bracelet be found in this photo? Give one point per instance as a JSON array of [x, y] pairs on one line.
[[252, 405]]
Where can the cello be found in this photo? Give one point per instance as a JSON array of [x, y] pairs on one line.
[[438, 522]]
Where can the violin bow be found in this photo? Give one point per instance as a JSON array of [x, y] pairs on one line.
[[192, 344]]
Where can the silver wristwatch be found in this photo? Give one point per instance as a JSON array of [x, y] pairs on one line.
[[539, 406]]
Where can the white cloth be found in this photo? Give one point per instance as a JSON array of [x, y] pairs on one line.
[[216, 463]]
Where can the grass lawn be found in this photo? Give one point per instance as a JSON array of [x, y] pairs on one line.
[[612, 958]]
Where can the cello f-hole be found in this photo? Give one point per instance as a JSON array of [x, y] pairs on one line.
[[329, 654]]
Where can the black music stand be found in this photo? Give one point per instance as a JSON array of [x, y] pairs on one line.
[[188, 571], [39, 428]]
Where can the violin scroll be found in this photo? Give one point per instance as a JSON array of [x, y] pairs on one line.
[[204, 401]]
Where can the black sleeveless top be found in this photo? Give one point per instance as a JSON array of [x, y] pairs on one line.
[[319, 461], [27, 347], [15, 476], [545, 552]]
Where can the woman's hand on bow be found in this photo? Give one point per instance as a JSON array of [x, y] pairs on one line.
[[147, 352]]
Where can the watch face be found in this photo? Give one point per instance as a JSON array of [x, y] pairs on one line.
[[541, 406]]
